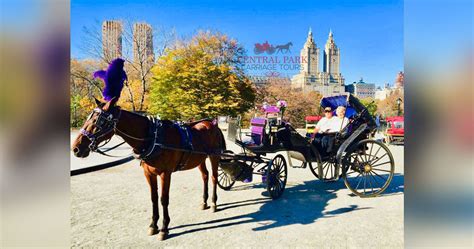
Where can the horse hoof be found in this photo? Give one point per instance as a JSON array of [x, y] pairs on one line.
[[214, 209], [152, 231], [162, 235], [204, 206]]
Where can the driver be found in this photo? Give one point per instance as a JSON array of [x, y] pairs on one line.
[[323, 127]]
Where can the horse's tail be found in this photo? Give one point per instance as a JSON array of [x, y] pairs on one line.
[[216, 124]]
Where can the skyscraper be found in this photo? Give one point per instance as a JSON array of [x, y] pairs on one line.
[[143, 44], [112, 39], [310, 51], [310, 78], [399, 81], [331, 56]]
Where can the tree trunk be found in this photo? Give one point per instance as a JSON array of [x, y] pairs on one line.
[[130, 95]]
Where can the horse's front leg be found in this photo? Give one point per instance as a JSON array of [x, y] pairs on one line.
[[153, 183], [165, 190]]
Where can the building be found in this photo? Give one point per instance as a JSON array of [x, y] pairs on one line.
[[361, 89], [400, 80], [143, 44], [327, 82], [382, 93], [112, 39]]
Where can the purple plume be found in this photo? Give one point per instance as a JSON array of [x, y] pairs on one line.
[[113, 79]]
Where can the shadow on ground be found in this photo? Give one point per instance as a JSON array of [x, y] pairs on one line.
[[291, 208]]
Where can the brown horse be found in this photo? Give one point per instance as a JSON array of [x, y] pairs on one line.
[[108, 119]]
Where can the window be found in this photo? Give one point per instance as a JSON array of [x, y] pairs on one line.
[[398, 125]]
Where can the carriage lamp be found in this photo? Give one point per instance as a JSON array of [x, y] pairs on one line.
[[399, 102]]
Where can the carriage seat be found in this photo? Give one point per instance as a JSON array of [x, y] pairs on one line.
[[257, 132]]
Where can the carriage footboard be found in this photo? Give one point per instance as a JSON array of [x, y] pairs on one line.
[[235, 168]]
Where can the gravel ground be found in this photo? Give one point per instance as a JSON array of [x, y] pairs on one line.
[[112, 208]]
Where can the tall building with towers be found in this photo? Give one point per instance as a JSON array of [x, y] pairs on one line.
[[329, 81], [143, 44], [112, 39]]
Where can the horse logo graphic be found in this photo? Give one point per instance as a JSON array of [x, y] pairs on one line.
[[270, 49], [284, 48]]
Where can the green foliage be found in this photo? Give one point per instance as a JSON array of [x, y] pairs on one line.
[[370, 105], [75, 105], [200, 79]]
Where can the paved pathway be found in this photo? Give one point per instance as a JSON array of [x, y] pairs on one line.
[[112, 208]]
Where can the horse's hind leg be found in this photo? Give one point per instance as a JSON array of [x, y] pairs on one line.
[[153, 183], [215, 165], [205, 180], [165, 198]]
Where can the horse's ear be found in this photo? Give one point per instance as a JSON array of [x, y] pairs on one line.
[[98, 102], [110, 104]]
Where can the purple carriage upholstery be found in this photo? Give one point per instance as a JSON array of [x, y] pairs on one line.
[[257, 130]]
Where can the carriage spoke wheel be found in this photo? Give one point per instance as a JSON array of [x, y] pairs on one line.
[[328, 172], [224, 181], [370, 168], [277, 173]]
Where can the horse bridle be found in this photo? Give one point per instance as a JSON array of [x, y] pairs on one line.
[[105, 124]]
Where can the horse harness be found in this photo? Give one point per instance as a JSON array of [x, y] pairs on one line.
[[157, 131], [107, 122]]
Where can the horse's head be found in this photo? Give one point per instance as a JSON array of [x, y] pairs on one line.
[[98, 127]]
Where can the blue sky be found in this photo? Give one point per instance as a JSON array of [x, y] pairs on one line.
[[369, 33]]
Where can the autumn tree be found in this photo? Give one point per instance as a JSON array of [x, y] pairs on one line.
[[389, 107], [83, 89], [300, 104], [201, 78]]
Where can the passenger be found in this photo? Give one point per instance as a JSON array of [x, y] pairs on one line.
[[340, 121], [325, 131]]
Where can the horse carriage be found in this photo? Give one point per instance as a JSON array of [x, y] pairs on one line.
[[366, 165], [165, 146]]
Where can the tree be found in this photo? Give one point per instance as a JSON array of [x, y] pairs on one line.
[[201, 78], [370, 105], [135, 53], [300, 104], [83, 89], [389, 107]]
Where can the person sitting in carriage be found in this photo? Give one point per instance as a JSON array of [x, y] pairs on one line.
[[327, 127]]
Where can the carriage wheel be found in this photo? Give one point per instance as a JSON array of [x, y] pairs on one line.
[[370, 168], [224, 181], [277, 173], [328, 172]]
